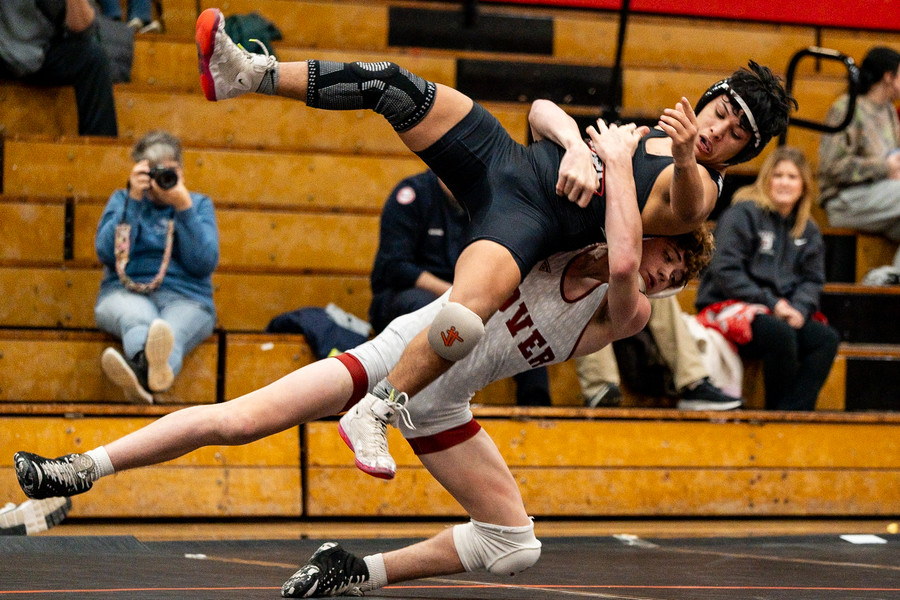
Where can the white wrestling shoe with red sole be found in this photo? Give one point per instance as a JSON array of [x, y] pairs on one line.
[[364, 429], [226, 69]]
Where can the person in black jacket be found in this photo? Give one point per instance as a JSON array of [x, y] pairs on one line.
[[54, 42], [423, 232], [763, 285]]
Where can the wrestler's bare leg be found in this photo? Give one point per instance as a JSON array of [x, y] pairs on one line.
[[309, 393], [486, 490]]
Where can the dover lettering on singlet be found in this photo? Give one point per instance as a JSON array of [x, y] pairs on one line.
[[533, 347]]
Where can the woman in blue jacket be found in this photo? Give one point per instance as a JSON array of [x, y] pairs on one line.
[[159, 244], [763, 286]]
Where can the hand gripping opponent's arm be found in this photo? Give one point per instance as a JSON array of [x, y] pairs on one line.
[[577, 179]]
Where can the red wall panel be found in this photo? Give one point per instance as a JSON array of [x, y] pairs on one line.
[[859, 14]]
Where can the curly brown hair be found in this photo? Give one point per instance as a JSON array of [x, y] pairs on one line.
[[697, 247]]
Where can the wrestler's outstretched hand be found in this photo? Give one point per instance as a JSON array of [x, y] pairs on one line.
[[577, 175], [680, 124]]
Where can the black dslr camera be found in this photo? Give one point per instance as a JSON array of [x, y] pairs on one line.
[[165, 177]]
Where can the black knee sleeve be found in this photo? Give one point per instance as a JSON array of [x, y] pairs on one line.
[[400, 96]]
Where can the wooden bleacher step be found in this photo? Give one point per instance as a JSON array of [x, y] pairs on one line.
[[55, 366], [64, 297], [650, 462], [268, 241], [41, 167], [261, 479], [850, 254], [250, 122]]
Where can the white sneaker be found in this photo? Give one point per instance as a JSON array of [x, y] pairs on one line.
[[153, 26], [158, 347], [226, 69], [364, 430], [33, 516]]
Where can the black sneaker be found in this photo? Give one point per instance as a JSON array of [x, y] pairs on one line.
[[42, 477], [130, 375], [706, 396], [608, 395], [330, 571]]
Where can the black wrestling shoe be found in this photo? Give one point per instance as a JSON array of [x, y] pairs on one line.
[[330, 571], [42, 477]]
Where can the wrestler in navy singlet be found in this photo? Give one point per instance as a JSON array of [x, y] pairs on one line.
[[510, 190]]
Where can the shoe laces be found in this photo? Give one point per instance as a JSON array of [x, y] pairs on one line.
[[398, 404], [63, 470], [269, 59], [381, 446]]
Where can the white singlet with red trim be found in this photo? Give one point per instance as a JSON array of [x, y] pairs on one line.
[[537, 326]]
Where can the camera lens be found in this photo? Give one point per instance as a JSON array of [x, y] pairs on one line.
[[165, 177]]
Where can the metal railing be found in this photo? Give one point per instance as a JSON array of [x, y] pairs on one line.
[[852, 86]]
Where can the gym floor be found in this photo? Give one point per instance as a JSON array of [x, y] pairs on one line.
[[635, 560]]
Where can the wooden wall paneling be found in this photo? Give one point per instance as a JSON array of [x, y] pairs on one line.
[[720, 47], [180, 17]]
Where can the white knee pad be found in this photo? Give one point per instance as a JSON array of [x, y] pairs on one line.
[[455, 331], [500, 550]]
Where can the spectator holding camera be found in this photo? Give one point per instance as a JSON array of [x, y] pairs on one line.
[[159, 244]]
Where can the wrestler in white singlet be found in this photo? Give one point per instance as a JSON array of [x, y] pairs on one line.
[[539, 325]]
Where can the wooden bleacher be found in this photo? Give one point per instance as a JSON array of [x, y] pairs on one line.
[[297, 195]]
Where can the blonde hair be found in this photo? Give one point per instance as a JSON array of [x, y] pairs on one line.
[[759, 190]]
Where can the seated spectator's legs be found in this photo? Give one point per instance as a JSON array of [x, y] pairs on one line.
[[818, 345], [79, 61], [127, 316], [140, 9], [871, 208], [393, 304], [795, 362], [533, 388], [598, 376], [675, 342], [191, 323], [112, 8], [679, 349]]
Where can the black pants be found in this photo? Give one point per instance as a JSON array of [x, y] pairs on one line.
[[796, 362], [532, 387], [79, 61]]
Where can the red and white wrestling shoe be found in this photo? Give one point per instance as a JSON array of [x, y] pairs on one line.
[[226, 69]]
